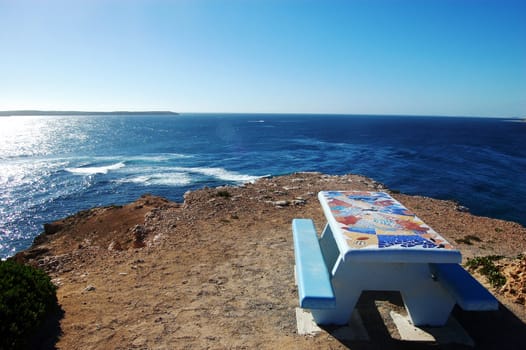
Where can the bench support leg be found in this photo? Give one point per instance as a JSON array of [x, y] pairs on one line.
[[341, 314]]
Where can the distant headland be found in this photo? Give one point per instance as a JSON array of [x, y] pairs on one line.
[[80, 113]]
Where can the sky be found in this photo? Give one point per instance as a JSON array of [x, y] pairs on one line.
[[410, 57]]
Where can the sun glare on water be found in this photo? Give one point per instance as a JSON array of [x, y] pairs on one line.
[[23, 136], [30, 148], [36, 136]]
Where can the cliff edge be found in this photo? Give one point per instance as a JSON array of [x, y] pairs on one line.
[[217, 270]]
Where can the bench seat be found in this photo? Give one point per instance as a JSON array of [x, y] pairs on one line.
[[314, 283], [469, 294]]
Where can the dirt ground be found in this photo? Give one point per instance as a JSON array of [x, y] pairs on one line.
[[216, 272]]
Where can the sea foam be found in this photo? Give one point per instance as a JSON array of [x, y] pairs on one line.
[[162, 179], [182, 176], [95, 170], [220, 173]]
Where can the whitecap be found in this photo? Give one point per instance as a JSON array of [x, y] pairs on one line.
[[95, 170], [137, 180], [177, 179], [162, 157], [162, 179], [221, 174]]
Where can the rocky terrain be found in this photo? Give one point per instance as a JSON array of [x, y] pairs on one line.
[[216, 271]]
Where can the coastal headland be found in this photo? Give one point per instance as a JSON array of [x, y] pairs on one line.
[[216, 271]]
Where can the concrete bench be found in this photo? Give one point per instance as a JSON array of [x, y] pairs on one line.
[[469, 294], [314, 283]]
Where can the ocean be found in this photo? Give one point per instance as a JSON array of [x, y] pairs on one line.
[[54, 166]]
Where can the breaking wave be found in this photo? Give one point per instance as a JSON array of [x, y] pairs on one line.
[[165, 179], [220, 173], [95, 170], [182, 176]]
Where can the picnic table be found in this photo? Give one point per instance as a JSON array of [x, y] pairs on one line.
[[372, 242]]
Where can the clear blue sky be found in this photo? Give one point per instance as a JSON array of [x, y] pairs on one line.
[[428, 57]]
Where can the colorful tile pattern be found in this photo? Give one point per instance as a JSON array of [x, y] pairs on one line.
[[376, 220]]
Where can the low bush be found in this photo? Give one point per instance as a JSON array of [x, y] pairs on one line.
[[486, 266], [224, 194], [26, 297], [469, 239]]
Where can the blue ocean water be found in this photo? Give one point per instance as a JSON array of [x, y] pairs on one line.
[[51, 167]]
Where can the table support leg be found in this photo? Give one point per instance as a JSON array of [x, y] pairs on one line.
[[428, 304]]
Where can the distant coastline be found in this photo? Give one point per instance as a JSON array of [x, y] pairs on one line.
[[80, 113]]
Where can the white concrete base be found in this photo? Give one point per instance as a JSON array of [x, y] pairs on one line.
[[355, 330], [305, 323], [452, 332]]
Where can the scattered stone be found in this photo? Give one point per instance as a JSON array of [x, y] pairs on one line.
[[461, 208], [89, 288], [34, 252], [139, 235], [41, 239], [57, 282], [52, 228], [114, 245]]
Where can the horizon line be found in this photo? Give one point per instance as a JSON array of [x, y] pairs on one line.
[[36, 112]]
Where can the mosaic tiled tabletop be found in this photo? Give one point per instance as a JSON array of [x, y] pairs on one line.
[[375, 222]]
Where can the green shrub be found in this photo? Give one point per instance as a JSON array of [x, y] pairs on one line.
[[224, 194], [26, 296], [486, 266], [468, 239]]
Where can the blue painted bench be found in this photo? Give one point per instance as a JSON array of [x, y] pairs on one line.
[[469, 294], [314, 283]]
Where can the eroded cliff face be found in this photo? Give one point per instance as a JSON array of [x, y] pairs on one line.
[[217, 270]]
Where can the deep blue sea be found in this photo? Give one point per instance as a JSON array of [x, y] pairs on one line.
[[51, 167]]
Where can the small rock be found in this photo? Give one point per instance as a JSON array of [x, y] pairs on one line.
[[461, 208], [114, 245], [89, 288], [57, 282], [52, 228], [139, 234], [281, 203]]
